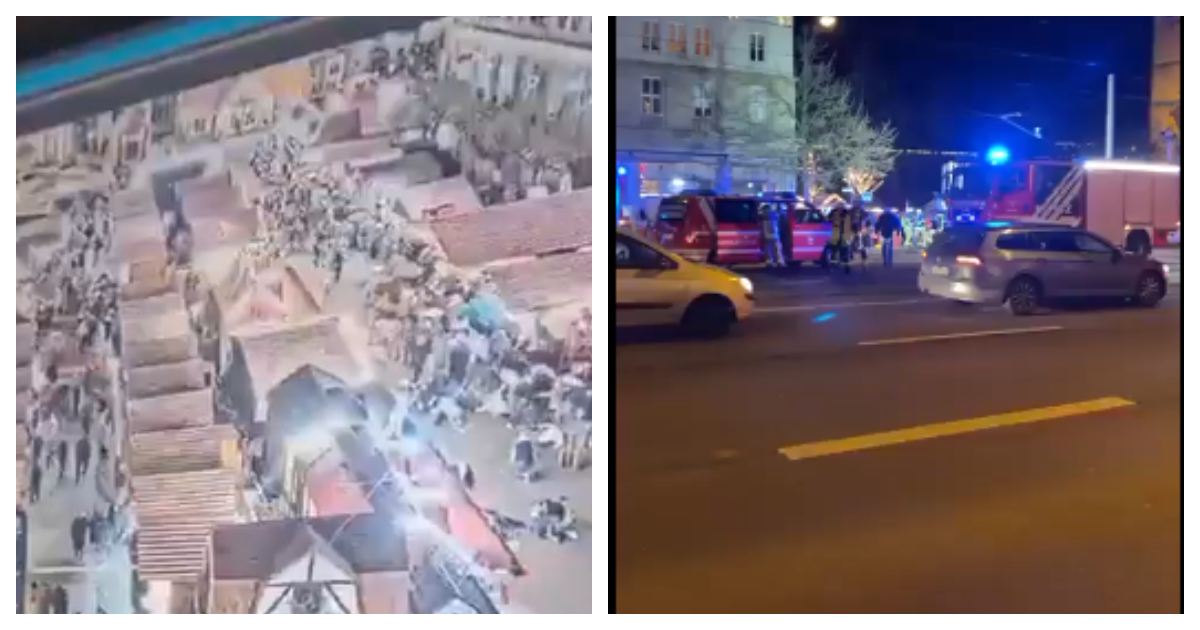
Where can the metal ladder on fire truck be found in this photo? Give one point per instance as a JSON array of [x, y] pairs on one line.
[[1063, 205]]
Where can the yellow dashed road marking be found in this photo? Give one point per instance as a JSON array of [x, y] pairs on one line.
[[946, 429]]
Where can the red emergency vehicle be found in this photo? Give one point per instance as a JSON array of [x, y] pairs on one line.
[[706, 227], [1001, 192], [805, 231], [1133, 204]]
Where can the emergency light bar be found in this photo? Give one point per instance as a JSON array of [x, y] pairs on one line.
[[1118, 165]]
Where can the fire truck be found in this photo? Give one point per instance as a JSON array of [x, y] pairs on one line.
[[1132, 204]]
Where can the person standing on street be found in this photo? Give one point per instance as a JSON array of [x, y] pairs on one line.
[[62, 459], [61, 600], [768, 218], [83, 456], [79, 532], [886, 227], [85, 420], [841, 233], [36, 448], [858, 220], [35, 483]]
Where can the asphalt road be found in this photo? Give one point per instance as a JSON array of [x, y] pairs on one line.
[[1061, 508]]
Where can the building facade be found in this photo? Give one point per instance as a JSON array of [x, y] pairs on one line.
[[1166, 88], [687, 87]]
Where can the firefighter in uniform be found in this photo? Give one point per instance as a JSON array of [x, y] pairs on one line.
[[841, 221]]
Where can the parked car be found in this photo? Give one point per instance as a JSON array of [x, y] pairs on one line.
[[1022, 265], [659, 287]]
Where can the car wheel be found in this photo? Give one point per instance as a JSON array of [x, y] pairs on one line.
[[1150, 290], [1024, 296], [709, 317]]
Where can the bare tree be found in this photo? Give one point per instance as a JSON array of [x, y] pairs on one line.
[[432, 104], [790, 125], [865, 155], [811, 126]]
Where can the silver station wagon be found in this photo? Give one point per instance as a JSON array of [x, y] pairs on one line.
[[1022, 265]]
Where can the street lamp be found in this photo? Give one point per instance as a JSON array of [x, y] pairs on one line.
[[827, 22]]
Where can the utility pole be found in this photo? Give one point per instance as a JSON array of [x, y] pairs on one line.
[[1110, 117]]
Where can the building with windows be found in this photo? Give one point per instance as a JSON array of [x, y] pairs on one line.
[[1166, 88], [688, 90]]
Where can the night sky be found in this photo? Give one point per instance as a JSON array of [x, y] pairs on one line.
[[933, 77]]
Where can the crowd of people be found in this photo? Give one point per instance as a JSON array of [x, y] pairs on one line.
[[48, 599], [460, 351], [69, 421]]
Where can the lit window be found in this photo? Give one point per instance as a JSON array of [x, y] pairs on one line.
[[650, 36], [703, 42], [650, 188], [652, 96], [758, 47], [676, 38], [702, 101]]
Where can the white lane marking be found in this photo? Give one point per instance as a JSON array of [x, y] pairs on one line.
[[792, 283], [963, 335], [819, 307]]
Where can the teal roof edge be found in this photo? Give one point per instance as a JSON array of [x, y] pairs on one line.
[[128, 52]]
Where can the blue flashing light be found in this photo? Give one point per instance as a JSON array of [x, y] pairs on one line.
[[997, 155], [824, 317], [621, 171], [998, 224]]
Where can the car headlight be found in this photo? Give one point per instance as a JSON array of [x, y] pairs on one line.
[[746, 284]]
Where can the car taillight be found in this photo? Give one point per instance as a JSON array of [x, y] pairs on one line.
[[969, 260]]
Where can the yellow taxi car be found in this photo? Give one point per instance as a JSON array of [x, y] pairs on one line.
[[657, 287]]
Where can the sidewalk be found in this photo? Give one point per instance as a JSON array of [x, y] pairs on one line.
[[558, 578]]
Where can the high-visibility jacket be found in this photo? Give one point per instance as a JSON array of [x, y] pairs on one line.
[[841, 223]]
